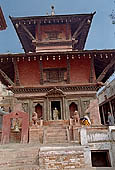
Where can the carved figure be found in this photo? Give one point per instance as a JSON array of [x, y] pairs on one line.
[[34, 118], [55, 114], [76, 117]]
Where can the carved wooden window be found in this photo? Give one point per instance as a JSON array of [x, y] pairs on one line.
[[54, 74], [53, 35]]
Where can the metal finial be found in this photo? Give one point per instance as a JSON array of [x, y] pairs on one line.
[[53, 10]]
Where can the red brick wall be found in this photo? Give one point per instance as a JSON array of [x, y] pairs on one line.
[[55, 63], [79, 70], [29, 72]]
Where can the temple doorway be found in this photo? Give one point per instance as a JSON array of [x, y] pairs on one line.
[[56, 105], [38, 110], [72, 108]]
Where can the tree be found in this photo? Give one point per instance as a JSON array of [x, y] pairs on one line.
[[112, 15]]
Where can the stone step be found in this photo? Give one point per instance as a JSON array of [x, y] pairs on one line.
[[24, 167], [18, 156], [35, 167], [55, 135], [56, 132], [56, 127], [54, 139], [56, 123]]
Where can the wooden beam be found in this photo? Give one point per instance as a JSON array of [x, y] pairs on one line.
[[10, 82], [106, 69], [28, 32]]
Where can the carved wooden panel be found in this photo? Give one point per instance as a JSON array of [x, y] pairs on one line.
[[86, 104], [25, 107], [54, 74]]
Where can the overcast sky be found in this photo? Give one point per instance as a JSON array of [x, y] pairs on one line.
[[101, 34]]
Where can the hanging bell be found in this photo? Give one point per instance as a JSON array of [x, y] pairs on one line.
[[16, 128]]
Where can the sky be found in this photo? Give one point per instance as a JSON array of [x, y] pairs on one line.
[[101, 34]]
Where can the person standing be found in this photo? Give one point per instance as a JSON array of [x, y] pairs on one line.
[[111, 120]]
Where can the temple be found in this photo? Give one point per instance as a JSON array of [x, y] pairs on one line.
[[54, 79]]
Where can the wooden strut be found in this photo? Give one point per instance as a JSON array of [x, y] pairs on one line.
[[10, 82], [77, 32], [28, 32], [102, 75]]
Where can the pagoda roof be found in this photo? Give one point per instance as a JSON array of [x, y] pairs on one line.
[[2, 21], [104, 61], [82, 21]]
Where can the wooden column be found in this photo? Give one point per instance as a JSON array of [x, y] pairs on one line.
[[103, 115], [47, 110], [111, 110], [17, 80], [91, 79], [39, 32], [41, 71], [67, 31], [63, 108], [68, 71]]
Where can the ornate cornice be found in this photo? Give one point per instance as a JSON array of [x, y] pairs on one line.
[[73, 88]]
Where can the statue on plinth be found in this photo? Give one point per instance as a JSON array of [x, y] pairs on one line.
[[55, 114], [34, 118], [76, 117]]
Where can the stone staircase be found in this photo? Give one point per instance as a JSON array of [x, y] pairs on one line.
[[36, 157], [56, 134], [17, 155]]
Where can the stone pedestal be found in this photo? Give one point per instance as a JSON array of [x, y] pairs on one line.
[[83, 136]]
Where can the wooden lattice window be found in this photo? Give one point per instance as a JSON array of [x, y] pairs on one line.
[[54, 74]]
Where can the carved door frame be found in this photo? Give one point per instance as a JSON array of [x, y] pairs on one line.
[[55, 95]]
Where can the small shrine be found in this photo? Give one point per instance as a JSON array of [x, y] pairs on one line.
[[15, 125]]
